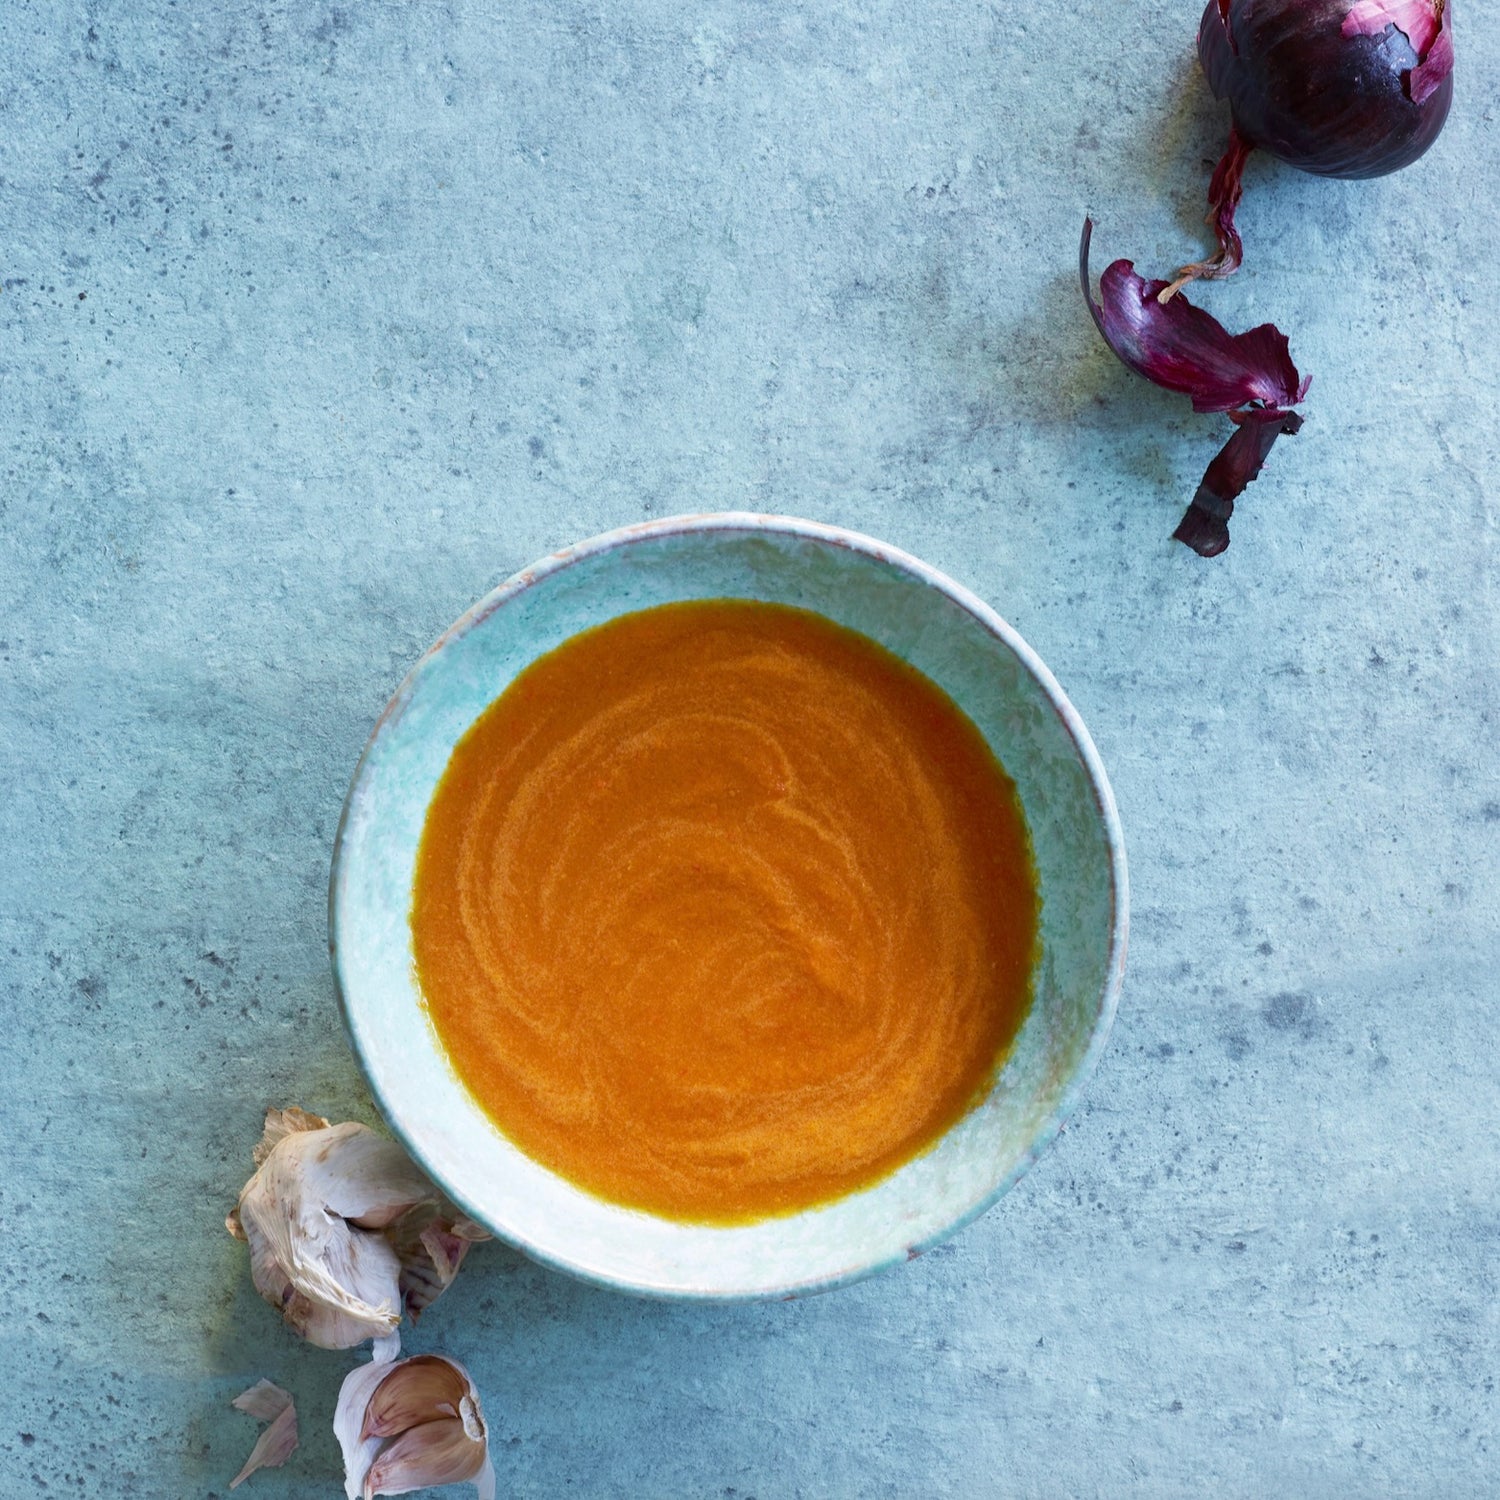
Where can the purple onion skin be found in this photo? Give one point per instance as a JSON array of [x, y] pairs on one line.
[[1299, 88], [1248, 376]]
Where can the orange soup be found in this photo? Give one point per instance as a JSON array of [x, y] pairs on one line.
[[722, 911]]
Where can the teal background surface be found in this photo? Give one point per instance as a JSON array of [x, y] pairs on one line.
[[318, 321]]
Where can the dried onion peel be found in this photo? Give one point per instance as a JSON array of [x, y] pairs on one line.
[[1248, 376]]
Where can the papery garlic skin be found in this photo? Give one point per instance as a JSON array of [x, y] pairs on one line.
[[267, 1403], [349, 1420], [344, 1231], [281, 1123], [431, 1250], [410, 1425]]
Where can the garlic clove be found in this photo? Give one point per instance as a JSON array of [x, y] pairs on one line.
[[334, 1285], [374, 1182], [345, 1230], [335, 1281], [412, 1424], [268, 1403], [427, 1389], [435, 1453]]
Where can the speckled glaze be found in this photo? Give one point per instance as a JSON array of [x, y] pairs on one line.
[[923, 617]]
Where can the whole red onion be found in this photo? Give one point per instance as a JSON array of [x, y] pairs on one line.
[[1342, 88]]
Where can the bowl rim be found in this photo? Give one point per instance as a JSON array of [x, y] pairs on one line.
[[990, 619]]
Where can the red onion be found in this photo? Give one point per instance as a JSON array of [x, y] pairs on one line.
[[1342, 88], [1250, 376]]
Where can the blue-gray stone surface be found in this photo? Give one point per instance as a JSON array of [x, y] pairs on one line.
[[319, 320]]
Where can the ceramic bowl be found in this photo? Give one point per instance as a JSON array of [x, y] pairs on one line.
[[913, 610]]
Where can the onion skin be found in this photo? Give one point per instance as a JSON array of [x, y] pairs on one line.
[[1249, 377], [1183, 348], [1328, 97], [1205, 524]]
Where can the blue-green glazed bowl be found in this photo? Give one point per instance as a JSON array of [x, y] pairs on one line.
[[913, 610]]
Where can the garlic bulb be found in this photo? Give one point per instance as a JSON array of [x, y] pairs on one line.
[[267, 1403], [345, 1231], [410, 1424]]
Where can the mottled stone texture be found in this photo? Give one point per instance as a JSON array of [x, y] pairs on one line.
[[318, 321]]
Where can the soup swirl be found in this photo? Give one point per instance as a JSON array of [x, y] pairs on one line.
[[722, 911]]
